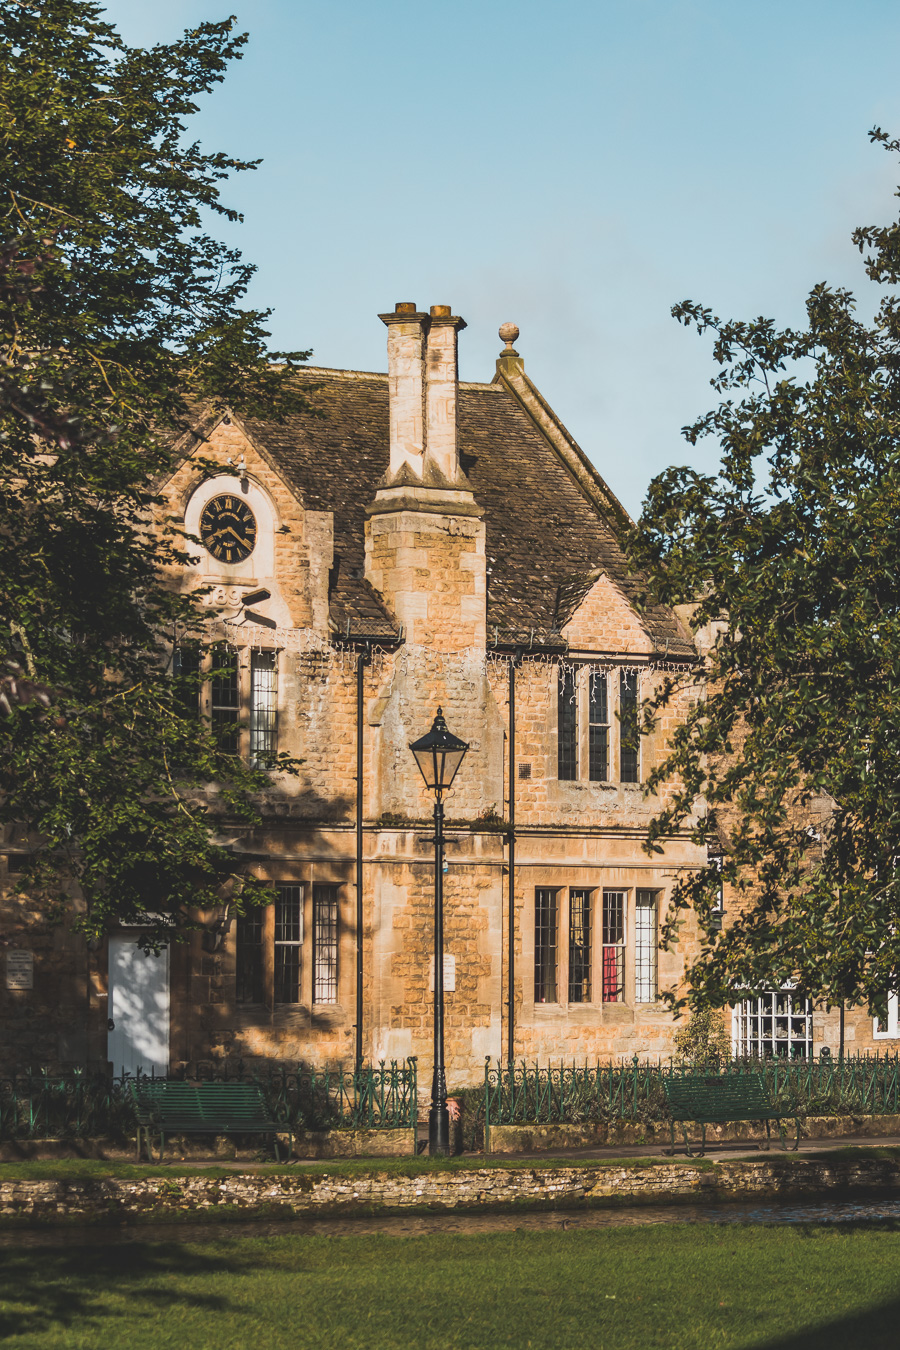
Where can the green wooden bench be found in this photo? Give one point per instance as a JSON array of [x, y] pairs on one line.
[[709, 1099], [201, 1108]]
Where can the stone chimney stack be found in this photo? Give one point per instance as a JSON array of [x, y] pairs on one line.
[[423, 386], [406, 387], [425, 538], [441, 395]]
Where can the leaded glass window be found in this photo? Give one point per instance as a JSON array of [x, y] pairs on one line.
[[545, 926], [567, 724], [263, 706], [598, 726], [579, 946], [288, 940], [186, 672], [629, 740], [225, 704], [325, 943], [614, 907], [249, 972]]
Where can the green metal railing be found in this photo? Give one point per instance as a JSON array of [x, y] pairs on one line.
[[376, 1097], [574, 1094], [75, 1105], [83, 1105]]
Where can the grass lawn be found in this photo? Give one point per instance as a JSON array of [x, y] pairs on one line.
[[614, 1289], [84, 1169]]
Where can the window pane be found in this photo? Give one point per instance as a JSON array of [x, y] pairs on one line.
[[717, 913], [777, 1024], [579, 946], [645, 947], [567, 724], [613, 946], [544, 946], [628, 727], [598, 728], [263, 706], [887, 1026], [288, 937], [249, 974], [225, 698], [325, 943], [186, 672]]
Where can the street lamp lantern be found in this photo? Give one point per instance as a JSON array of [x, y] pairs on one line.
[[439, 754]]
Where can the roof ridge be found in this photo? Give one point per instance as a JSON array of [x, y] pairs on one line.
[[344, 374], [486, 386]]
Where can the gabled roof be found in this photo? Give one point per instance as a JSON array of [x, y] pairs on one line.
[[551, 522], [659, 623], [542, 528]]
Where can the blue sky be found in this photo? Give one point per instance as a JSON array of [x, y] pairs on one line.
[[574, 167]]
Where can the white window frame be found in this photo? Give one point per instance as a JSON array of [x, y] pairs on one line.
[[891, 1030], [761, 1015], [646, 945]]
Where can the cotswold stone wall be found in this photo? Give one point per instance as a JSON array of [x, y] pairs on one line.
[[295, 1194], [428, 558]]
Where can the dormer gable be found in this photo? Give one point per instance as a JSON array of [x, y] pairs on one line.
[[595, 616]]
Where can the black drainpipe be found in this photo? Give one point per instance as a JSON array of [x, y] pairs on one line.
[[363, 659], [511, 841]]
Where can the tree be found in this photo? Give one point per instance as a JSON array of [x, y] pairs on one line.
[[118, 316], [790, 559]]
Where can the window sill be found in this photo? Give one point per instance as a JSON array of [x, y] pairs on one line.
[[595, 1013]]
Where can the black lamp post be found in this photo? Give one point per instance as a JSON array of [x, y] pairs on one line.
[[439, 754]]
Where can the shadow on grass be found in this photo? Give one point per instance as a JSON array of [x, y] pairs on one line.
[[61, 1287], [876, 1328]]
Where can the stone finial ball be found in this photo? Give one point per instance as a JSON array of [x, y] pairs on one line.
[[508, 332]]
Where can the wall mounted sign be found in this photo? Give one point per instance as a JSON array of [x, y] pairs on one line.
[[449, 973], [19, 970]]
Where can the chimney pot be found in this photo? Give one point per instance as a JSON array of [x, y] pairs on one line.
[[405, 307], [440, 311]]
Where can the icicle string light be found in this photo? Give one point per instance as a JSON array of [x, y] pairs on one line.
[[472, 663]]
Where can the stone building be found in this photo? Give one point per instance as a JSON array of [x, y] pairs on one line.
[[420, 542]]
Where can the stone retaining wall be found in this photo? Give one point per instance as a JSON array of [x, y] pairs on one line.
[[530, 1138], [303, 1194], [220, 1147]]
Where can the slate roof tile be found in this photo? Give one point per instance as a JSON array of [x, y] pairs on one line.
[[545, 540]]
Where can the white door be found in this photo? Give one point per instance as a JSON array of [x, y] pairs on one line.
[[138, 1008]]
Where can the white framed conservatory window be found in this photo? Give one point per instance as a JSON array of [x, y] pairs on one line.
[[889, 1028], [777, 1024]]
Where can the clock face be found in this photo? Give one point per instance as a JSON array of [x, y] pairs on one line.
[[228, 528]]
